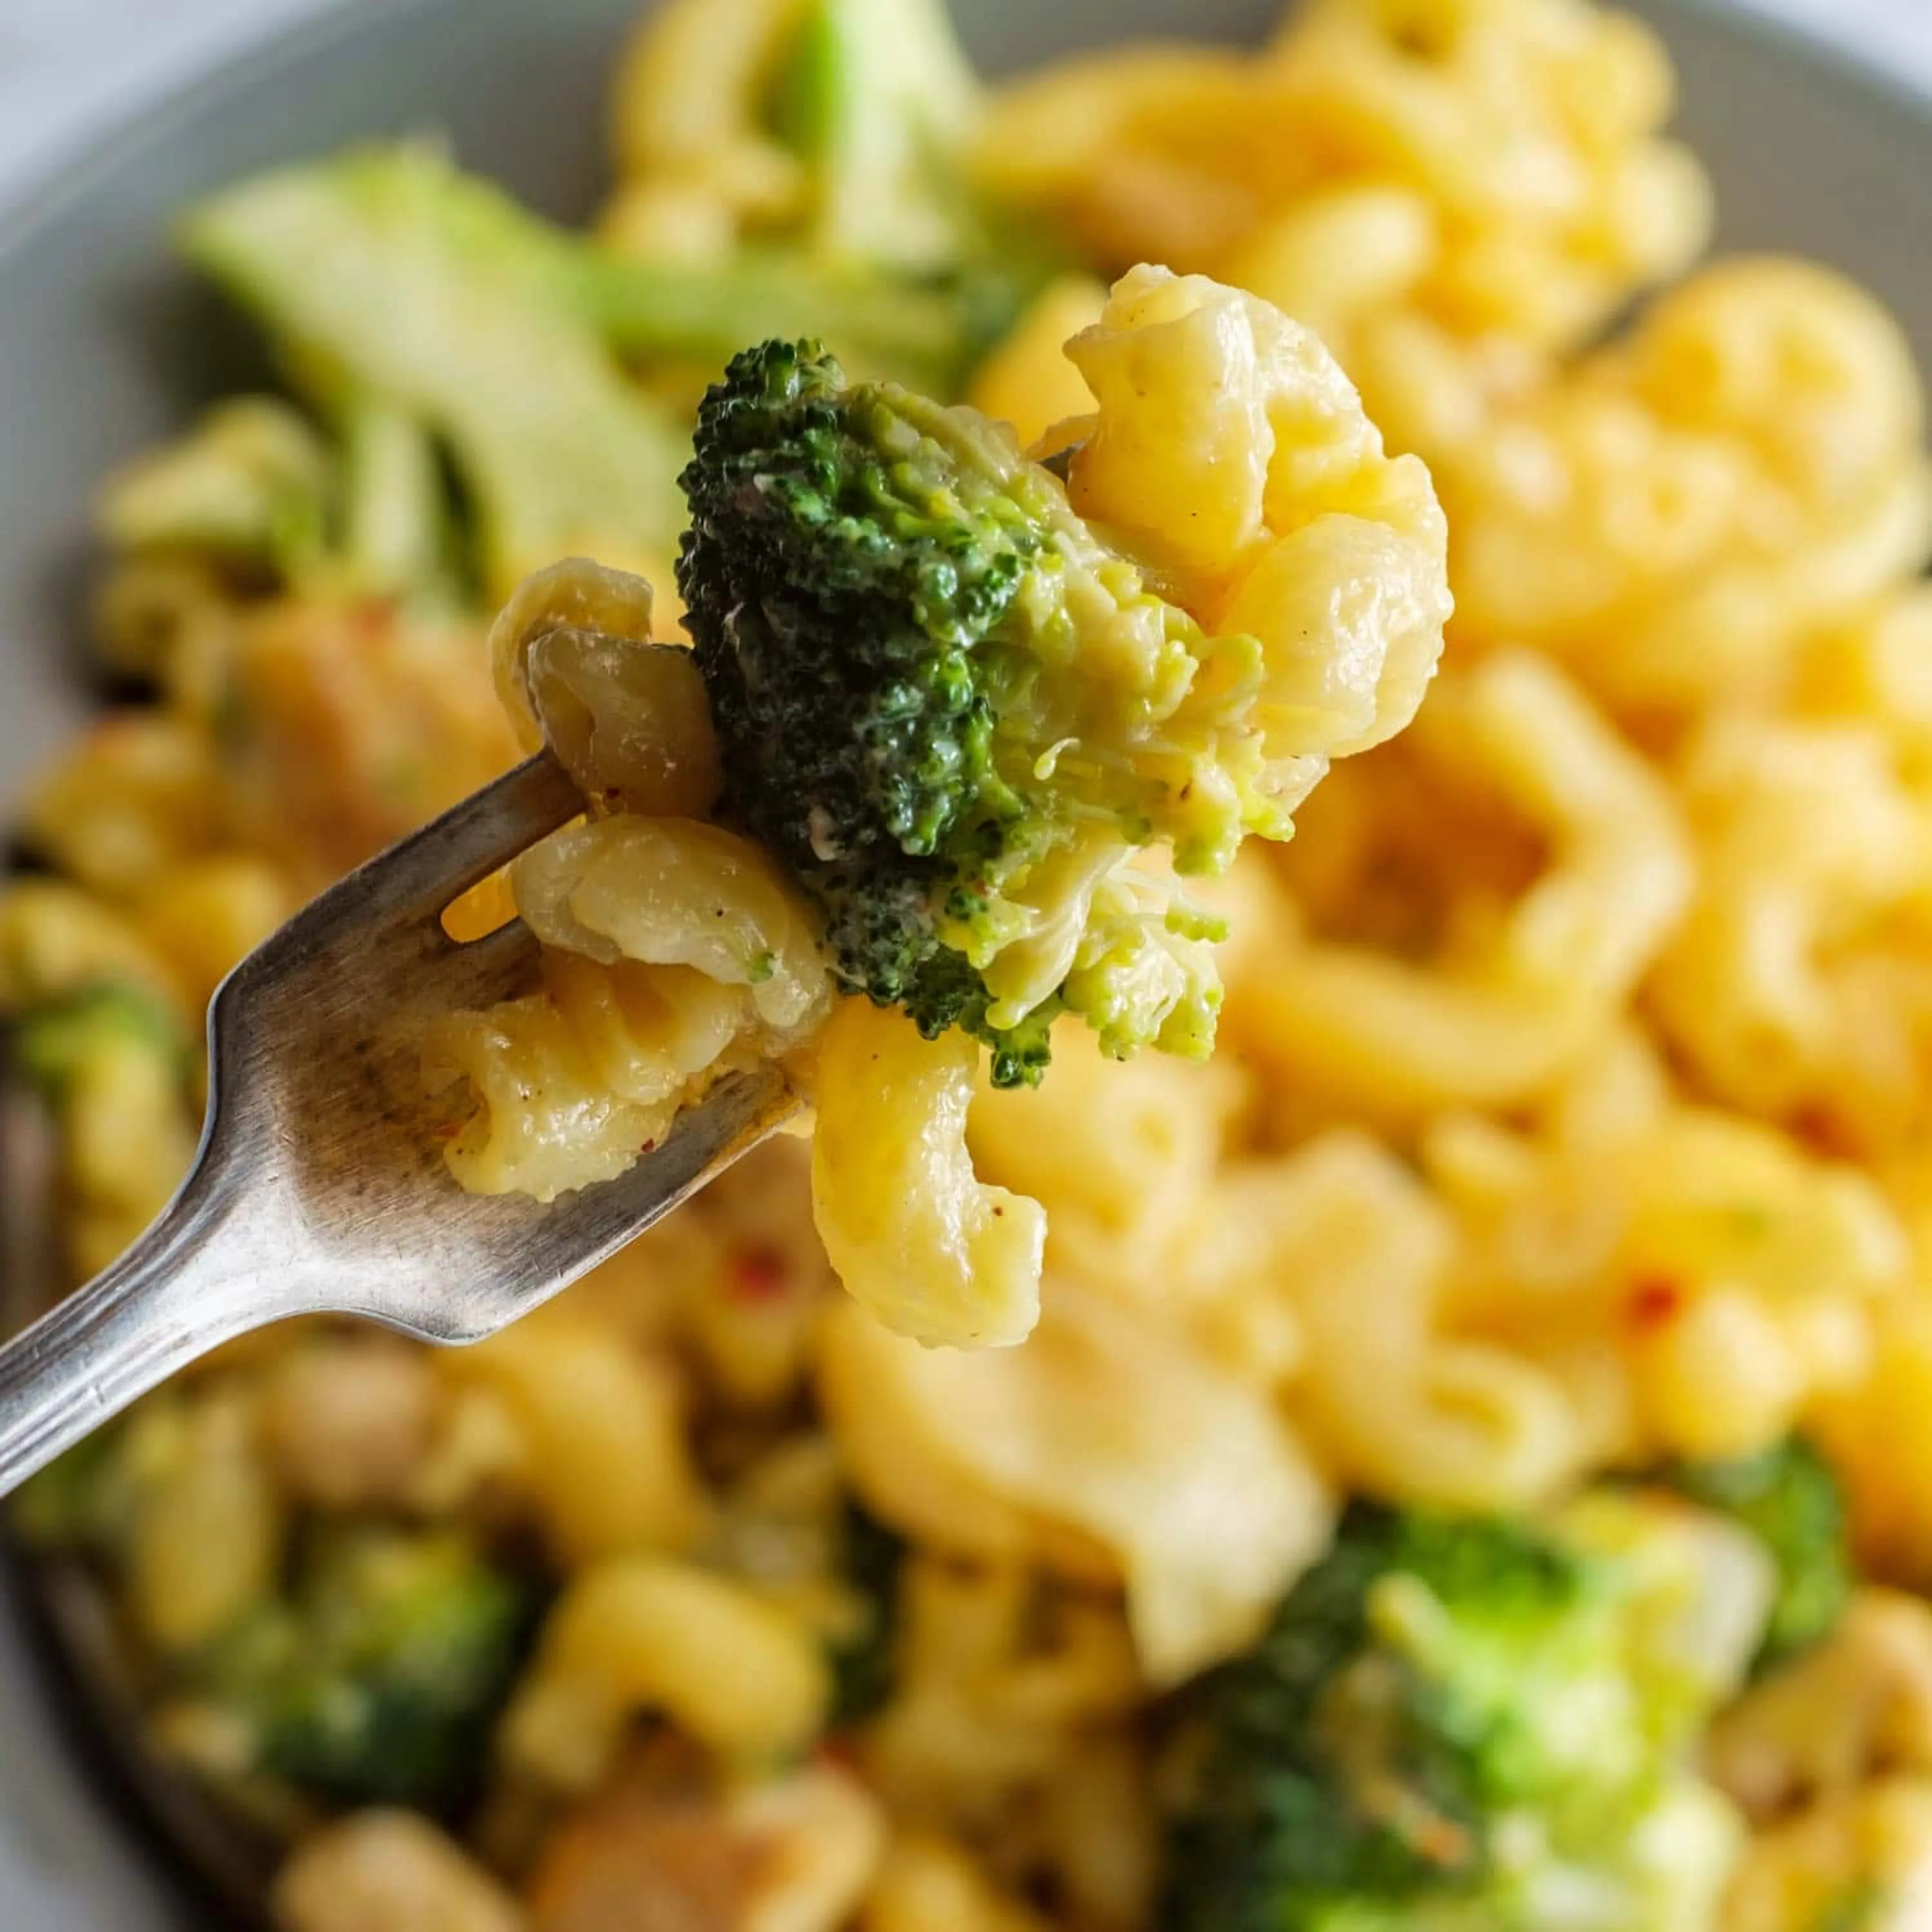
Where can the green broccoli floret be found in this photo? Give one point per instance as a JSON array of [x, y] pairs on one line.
[[1789, 1497], [249, 484], [377, 1681], [955, 714], [872, 1560], [1464, 1726], [52, 1044]]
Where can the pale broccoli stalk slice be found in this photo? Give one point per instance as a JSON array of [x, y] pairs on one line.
[[257, 486], [877, 98], [396, 529], [385, 273], [388, 273], [928, 331], [879, 102]]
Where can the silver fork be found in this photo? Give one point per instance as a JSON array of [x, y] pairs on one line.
[[319, 1187]]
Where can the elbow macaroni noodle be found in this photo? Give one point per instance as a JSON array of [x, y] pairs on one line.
[[1369, 171], [910, 1230], [638, 1633], [1673, 515], [1494, 1009], [1834, 1756], [603, 1432]]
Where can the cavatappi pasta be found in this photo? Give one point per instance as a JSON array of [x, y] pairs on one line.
[[1571, 1123]]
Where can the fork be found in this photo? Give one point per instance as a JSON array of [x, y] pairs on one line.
[[319, 1187]]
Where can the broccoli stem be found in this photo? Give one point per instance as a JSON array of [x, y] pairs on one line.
[[396, 533], [925, 332]]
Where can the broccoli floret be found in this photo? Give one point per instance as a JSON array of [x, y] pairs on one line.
[[1789, 1497], [863, 1666], [53, 1044], [1458, 1726], [377, 1681], [249, 484], [955, 713]]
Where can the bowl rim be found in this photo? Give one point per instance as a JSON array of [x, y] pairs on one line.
[[63, 168]]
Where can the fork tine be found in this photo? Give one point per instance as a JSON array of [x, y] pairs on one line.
[[449, 855], [416, 879]]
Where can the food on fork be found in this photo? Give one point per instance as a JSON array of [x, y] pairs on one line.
[[953, 736]]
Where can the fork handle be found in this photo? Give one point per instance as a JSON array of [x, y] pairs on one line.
[[188, 1285]]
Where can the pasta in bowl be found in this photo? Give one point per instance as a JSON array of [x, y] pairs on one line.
[[1465, 1468]]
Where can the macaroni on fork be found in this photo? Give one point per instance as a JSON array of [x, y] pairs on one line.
[[1300, 621]]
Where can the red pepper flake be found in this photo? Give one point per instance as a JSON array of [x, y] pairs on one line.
[[1655, 1300], [759, 1273], [649, 1147]]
